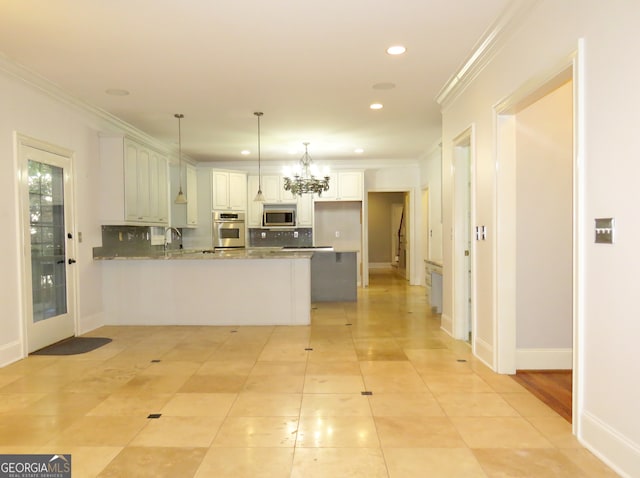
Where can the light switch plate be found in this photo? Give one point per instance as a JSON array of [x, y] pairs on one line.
[[604, 230]]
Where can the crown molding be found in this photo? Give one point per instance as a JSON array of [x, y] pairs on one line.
[[275, 166], [490, 42], [105, 119]]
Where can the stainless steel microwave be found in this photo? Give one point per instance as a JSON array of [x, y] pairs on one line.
[[279, 217]]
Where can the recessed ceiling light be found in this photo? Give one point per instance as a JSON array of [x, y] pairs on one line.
[[376, 106], [245, 152], [384, 86], [358, 150], [117, 92], [396, 50]]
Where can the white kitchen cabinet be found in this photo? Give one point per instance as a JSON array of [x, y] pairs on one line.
[[184, 215], [220, 189], [238, 191], [273, 190], [254, 208], [229, 190], [344, 186], [135, 183], [274, 193], [305, 211], [192, 195], [286, 196], [158, 188]]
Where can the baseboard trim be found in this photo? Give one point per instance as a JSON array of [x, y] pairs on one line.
[[90, 323], [446, 324], [544, 359], [616, 450], [11, 352], [484, 352]]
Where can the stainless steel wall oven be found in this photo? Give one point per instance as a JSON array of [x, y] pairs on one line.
[[229, 229]]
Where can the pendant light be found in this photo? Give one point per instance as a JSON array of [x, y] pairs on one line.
[[259, 196], [180, 198]]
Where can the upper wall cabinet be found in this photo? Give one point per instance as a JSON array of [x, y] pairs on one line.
[[273, 190], [274, 193], [344, 186], [192, 196], [184, 215], [228, 190], [135, 183]]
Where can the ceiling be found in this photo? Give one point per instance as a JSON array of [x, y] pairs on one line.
[[311, 66]]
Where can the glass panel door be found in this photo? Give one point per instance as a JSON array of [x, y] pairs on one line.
[[47, 233], [49, 276]]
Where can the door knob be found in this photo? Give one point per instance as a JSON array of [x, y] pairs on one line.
[[72, 261]]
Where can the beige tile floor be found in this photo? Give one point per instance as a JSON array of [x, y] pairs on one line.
[[252, 402]]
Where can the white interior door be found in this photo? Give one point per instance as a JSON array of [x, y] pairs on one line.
[[48, 246], [463, 260]]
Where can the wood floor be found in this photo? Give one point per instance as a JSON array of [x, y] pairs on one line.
[[553, 387]]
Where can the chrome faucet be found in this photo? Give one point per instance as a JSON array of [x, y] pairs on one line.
[[170, 230]]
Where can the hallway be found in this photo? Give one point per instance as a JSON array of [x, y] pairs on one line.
[[288, 401]]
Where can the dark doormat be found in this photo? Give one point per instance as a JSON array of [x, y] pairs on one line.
[[73, 346]]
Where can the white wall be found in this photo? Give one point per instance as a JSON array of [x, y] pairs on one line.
[[30, 112], [338, 224], [609, 112], [544, 230], [431, 177]]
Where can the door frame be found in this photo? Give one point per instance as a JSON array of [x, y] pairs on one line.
[[411, 231], [21, 141], [505, 245], [425, 223], [463, 292]]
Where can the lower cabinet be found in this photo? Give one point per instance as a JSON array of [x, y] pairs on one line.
[[433, 283], [334, 276]]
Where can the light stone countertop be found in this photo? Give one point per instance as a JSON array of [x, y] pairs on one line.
[[220, 254]]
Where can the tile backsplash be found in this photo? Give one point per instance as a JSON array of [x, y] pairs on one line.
[[135, 241], [278, 237]]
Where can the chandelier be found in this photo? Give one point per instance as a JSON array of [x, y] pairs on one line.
[[305, 177]]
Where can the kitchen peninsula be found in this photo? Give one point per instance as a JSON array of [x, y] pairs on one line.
[[244, 287]]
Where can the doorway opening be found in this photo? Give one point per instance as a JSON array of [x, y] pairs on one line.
[[388, 227], [536, 204], [46, 216]]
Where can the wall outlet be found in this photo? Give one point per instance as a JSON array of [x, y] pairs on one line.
[[337, 233]]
